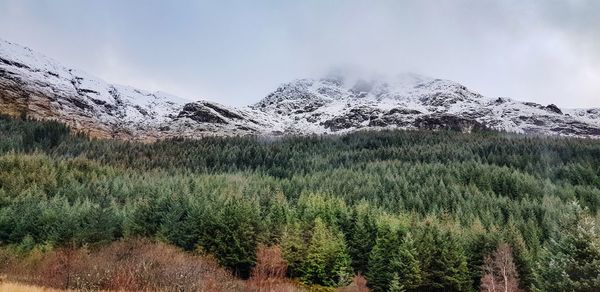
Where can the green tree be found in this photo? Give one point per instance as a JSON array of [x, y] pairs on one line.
[[573, 263], [361, 236], [481, 242], [293, 248], [443, 260], [327, 262], [175, 226], [392, 256], [395, 285], [229, 232]]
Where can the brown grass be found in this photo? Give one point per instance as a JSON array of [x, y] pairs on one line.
[[15, 287], [133, 265]]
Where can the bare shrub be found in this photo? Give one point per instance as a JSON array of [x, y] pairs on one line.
[[131, 265], [269, 272], [269, 263], [54, 269], [142, 265], [500, 272], [359, 284], [16, 266]]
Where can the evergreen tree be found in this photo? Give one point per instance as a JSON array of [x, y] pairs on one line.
[[573, 263], [327, 262], [521, 255], [293, 248], [480, 243], [393, 256], [362, 234], [395, 285], [443, 261], [175, 225], [142, 218]]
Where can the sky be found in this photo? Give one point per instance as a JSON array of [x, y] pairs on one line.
[[237, 51]]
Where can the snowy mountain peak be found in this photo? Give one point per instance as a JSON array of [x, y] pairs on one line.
[[411, 90], [36, 86]]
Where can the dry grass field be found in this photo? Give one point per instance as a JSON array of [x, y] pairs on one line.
[[15, 287]]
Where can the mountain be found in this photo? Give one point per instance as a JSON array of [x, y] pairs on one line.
[[35, 86]]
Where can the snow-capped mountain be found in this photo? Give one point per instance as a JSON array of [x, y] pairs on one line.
[[36, 86], [415, 102]]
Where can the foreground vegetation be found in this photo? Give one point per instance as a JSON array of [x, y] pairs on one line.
[[138, 265], [15, 287], [410, 210]]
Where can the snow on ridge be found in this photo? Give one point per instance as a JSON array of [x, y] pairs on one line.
[[42, 68], [332, 104]]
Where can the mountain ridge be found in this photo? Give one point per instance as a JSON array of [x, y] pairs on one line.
[[35, 86]]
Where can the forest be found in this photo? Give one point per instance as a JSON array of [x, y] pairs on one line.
[[407, 210]]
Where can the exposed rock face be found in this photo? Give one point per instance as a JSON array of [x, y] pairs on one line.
[[447, 122], [201, 113], [355, 118], [553, 108], [36, 86], [39, 100]]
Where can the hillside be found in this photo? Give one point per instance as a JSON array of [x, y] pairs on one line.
[[431, 210], [39, 87]]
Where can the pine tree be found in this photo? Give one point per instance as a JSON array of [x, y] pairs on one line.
[[392, 256], [443, 261], [230, 234], [327, 262], [480, 243], [362, 237], [395, 285], [175, 226], [521, 254], [293, 248], [573, 263]]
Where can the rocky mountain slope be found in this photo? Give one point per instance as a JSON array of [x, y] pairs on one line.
[[35, 86]]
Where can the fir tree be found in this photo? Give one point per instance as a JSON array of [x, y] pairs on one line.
[[327, 262], [443, 261], [395, 285], [393, 256], [573, 263]]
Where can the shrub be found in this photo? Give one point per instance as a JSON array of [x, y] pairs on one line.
[[131, 265]]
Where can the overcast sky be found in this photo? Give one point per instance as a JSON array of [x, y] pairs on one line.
[[235, 52]]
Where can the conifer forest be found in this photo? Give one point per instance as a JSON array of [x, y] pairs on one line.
[[404, 210]]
